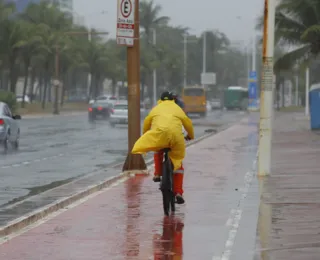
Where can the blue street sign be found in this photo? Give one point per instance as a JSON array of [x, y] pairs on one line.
[[253, 95], [253, 75]]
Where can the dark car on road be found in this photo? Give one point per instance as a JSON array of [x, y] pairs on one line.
[[99, 108], [9, 128]]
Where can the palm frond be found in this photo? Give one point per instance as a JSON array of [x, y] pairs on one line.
[[289, 59]]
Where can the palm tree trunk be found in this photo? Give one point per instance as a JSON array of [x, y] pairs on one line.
[[92, 84], [31, 88], [65, 84], [143, 86], [41, 85], [12, 77], [114, 85], [56, 99], [44, 97], [46, 82], [26, 77]]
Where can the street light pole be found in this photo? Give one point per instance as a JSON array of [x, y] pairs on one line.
[[154, 72], [134, 161], [266, 94], [89, 74], [248, 65], [185, 60], [297, 90], [56, 83], [307, 92], [204, 55], [254, 51]]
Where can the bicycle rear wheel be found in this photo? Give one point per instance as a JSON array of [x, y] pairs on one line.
[[168, 197]]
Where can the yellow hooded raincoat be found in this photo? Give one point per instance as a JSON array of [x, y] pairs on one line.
[[162, 128]]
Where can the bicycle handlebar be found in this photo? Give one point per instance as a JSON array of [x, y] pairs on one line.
[[187, 138]]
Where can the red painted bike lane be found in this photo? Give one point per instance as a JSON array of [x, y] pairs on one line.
[[127, 222]]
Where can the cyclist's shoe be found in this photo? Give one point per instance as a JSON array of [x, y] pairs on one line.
[[156, 178], [179, 199]]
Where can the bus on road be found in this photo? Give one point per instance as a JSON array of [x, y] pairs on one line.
[[236, 98], [194, 99]]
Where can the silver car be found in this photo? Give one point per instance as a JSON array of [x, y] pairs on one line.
[[9, 128], [119, 113]]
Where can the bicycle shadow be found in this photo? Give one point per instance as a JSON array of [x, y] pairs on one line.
[[169, 244]]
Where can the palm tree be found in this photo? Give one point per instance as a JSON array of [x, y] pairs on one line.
[[54, 24], [297, 25], [149, 17], [30, 46]]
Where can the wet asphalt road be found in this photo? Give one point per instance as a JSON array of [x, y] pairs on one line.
[[57, 149]]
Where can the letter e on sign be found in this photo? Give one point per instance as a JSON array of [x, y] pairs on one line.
[[126, 8]]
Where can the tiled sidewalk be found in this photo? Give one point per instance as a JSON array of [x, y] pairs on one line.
[[289, 224]]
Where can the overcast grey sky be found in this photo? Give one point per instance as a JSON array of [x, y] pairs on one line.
[[235, 18]]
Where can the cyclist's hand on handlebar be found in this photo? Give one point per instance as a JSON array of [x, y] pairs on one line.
[[187, 138]]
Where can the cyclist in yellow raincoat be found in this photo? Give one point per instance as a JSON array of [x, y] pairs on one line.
[[162, 128]]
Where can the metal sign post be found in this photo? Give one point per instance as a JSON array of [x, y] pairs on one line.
[[128, 16]]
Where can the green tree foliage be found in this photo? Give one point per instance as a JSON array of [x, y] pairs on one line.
[[43, 43]]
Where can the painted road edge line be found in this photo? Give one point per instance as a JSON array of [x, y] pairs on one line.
[[43, 212]]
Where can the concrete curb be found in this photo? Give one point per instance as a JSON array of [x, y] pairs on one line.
[[43, 212]]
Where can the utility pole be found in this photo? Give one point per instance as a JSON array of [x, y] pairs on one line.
[[297, 90], [154, 71], [204, 55], [254, 53], [248, 64], [89, 74], [56, 83], [266, 94], [185, 56], [134, 161], [307, 92]]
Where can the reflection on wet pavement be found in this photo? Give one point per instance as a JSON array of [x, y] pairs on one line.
[[126, 222], [169, 243], [59, 148]]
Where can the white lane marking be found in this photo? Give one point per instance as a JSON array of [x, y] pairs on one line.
[[30, 162], [235, 215], [55, 214], [232, 235]]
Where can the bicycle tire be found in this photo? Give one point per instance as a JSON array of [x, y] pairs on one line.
[[168, 197]]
